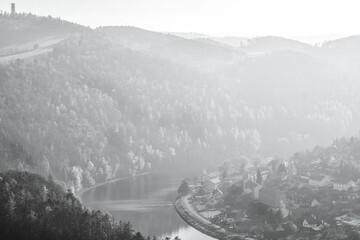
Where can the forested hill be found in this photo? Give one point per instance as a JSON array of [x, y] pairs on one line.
[[117, 101], [341, 159], [34, 208], [24, 28], [93, 110], [269, 44], [204, 55]]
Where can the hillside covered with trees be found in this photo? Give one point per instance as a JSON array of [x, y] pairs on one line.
[[34, 208], [26, 27], [117, 101], [343, 155]]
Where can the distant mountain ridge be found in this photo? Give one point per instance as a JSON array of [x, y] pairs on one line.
[[235, 41], [345, 54], [270, 43], [197, 53]]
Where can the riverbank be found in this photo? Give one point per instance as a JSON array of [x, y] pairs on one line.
[[187, 212], [110, 181], [147, 202]]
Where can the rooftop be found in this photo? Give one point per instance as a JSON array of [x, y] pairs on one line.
[[341, 181], [215, 181], [213, 174], [317, 177], [312, 220], [217, 191], [251, 185], [270, 190]]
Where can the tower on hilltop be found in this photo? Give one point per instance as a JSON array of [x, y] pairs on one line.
[[13, 9]]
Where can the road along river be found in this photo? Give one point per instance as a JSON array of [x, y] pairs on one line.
[[147, 202]]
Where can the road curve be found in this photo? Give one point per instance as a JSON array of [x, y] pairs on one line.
[[45, 46]]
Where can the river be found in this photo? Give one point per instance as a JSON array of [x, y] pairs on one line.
[[146, 202]]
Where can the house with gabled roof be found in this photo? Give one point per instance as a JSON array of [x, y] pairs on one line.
[[230, 168], [209, 176], [319, 180], [210, 185], [271, 196], [342, 184], [279, 228], [217, 193], [312, 223], [315, 203], [252, 187]]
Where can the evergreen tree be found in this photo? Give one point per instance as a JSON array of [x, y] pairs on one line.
[[259, 176], [50, 178], [233, 196], [34, 208], [184, 188], [225, 174], [282, 168]]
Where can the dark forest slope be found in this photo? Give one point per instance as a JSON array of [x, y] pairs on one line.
[[34, 208]]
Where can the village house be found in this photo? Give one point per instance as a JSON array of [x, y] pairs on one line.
[[226, 184], [229, 168], [271, 197], [252, 187], [316, 162], [353, 195], [279, 228], [315, 203], [342, 184], [319, 180], [313, 223], [209, 176], [210, 185], [217, 194], [233, 169], [264, 174]]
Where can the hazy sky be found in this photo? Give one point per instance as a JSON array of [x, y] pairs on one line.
[[287, 18]]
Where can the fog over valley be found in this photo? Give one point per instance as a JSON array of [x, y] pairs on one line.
[[185, 135]]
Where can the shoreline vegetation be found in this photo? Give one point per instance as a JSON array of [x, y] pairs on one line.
[[32, 207], [185, 210], [110, 181]]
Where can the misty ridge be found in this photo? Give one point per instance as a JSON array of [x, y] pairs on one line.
[[114, 101], [112, 130]]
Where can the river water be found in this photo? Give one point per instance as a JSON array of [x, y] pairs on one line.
[[146, 202]]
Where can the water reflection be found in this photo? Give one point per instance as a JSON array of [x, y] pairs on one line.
[[146, 202]]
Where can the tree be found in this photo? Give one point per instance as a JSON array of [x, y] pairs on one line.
[[195, 180], [225, 174], [259, 176], [50, 178], [87, 179], [183, 189], [138, 236], [274, 163], [40, 216], [233, 195], [282, 168]]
